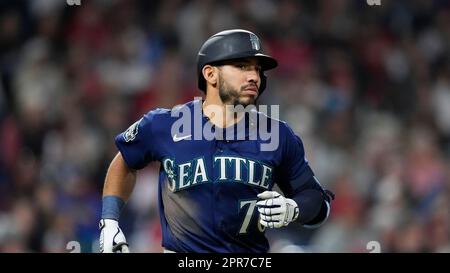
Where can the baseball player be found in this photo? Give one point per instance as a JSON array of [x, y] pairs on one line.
[[216, 195]]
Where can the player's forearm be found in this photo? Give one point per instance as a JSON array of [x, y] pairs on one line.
[[119, 184], [314, 207], [309, 201], [120, 179]]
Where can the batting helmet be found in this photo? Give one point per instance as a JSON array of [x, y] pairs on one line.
[[230, 45]]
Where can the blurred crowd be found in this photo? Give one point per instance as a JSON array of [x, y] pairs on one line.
[[366, 87]]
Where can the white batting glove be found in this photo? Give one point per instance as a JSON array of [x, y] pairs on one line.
[[112, 239], [275, 210]]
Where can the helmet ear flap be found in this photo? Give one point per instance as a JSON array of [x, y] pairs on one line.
[[263, 82]]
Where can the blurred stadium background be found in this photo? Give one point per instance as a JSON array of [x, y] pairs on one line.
[[366, 87]]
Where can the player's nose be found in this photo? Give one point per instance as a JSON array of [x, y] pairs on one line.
[[253, 76]]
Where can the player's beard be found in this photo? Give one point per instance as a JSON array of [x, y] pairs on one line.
[[231, 96]]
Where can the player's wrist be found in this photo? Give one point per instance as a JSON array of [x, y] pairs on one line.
[[112, 207], [111, 222]]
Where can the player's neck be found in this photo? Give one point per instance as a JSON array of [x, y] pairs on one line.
[[220, 114]]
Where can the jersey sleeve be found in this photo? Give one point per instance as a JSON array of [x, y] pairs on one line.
[[294, 165], [297, 181], [137, 144]]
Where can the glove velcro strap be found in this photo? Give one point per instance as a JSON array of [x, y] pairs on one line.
[[118, 247], [291, 211], [296, 212]]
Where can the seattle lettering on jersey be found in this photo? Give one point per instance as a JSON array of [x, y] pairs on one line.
[[226, 168]]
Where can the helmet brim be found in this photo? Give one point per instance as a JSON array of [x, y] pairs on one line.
[[266, 62]]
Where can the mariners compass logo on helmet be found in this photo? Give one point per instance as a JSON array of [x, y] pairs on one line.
[[131, 132], [255, 41]]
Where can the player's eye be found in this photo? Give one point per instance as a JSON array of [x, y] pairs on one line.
[[248, 67]]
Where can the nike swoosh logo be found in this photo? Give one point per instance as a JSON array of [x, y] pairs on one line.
[[177, 138]]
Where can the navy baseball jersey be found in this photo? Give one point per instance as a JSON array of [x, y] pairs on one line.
[[208, 188]]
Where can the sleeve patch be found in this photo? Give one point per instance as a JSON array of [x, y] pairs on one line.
[[132, 131]]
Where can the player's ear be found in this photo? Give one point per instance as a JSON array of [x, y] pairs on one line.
[[210, 73]]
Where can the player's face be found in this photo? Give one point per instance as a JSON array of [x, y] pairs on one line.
[[239, 82]]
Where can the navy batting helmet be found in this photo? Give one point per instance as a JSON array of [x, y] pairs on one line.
[[230, 45]]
